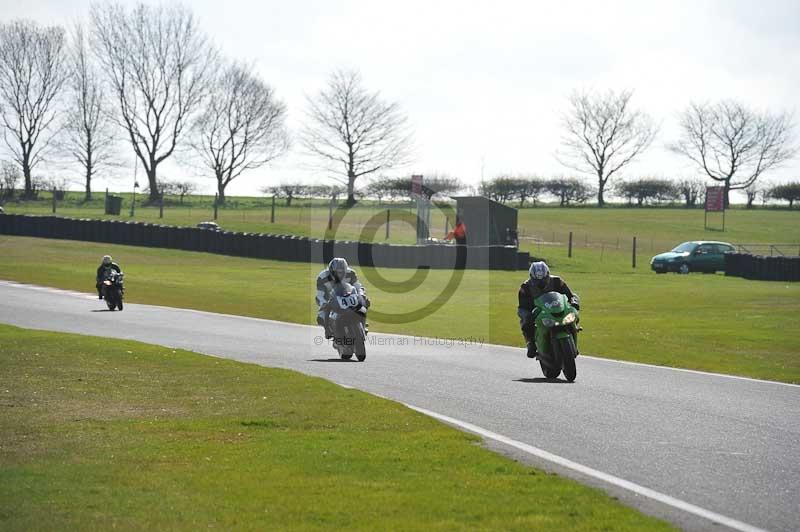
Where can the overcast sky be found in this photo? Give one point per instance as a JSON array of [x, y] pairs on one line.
[[484, 84]]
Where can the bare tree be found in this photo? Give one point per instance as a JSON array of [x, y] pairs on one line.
[[242, 126], [9, 177], [501, 189], [32, 73], [604, 134], [733, 144], [57, 185], [88, 135], [182, 188], [691, 190], [158, 62], [568, 190], [433, 185], [354, 133], [331, 192], [753, 191], [528, 187], [788, 192], [289, 191], [643, 189]]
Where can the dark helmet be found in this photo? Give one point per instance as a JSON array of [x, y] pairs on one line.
[[540, 273], [338, 268]]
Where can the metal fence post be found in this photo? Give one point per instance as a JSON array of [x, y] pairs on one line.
[[569, 252], [634, 252]]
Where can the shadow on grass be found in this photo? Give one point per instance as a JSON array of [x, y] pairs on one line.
[[540, 380], [331, 360]]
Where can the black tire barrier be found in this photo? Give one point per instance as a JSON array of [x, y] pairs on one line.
[[290, 247], [761, 268]]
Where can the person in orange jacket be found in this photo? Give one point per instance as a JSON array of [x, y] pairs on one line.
[[459, 233]]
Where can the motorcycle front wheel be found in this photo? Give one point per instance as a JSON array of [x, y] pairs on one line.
[[360, 347], [568, 353], [549, 371]]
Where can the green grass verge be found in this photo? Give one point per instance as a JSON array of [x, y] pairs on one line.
[[705, 322], [99, 434]]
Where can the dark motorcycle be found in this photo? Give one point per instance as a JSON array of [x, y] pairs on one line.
[[347, 321], [113, 289]]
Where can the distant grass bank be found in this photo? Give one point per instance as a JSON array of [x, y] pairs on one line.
[[99, 434], [705, 322], [605, 234]]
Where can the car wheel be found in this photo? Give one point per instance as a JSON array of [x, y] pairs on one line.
[[684, 268]]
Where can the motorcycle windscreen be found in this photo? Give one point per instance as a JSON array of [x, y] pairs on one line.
[[551, 301], [346, 295]]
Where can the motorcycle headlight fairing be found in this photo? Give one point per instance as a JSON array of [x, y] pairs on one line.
[[569, 318], [547, 322]]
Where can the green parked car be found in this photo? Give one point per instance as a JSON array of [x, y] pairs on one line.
[[697, 256]]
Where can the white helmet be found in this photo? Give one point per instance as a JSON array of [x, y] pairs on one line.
[[106, 260], [338, 268], [540, 273]]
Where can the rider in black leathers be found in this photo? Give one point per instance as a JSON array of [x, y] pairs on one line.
[[539, 282], [102, 272]]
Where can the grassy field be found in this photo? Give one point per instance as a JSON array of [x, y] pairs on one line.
[[247, 214], [602, 238], [99, 435], [705, 322]]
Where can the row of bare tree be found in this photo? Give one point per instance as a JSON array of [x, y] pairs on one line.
[[146, 75], [641, 191], [392, 188], [728, 142], [150, 75]]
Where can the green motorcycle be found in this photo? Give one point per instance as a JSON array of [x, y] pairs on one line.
[[557, 335]]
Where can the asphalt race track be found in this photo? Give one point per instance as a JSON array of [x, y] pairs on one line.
[[704, 451]]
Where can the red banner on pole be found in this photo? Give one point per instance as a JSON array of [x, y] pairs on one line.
[[715, 199]]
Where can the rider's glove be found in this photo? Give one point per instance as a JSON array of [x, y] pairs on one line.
[[575, 302]]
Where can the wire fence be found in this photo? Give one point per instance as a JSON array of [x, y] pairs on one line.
[[771, 250]]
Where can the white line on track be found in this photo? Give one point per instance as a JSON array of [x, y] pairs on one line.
[[530, 449], [585, 470]]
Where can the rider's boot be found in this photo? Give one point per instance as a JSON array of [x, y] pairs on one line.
[[532, 353]]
